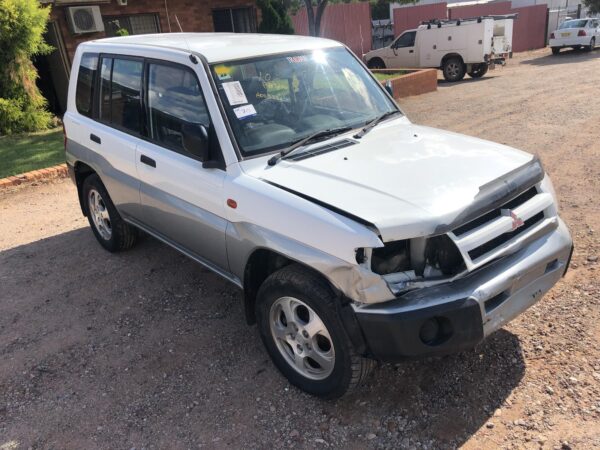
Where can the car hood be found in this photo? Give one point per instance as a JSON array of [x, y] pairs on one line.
[[406, 180]]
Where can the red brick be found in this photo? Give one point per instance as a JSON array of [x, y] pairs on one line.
[[194, 16]]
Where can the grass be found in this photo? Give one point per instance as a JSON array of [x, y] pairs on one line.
[[387, 76], [30, 151]]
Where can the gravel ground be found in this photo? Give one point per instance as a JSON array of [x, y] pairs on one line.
[[146, 349]]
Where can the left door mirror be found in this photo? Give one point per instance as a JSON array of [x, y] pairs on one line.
[[195, 140]]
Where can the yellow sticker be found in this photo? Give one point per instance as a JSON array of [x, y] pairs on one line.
[[223, 72]]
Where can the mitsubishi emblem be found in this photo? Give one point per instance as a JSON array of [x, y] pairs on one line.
[[517, 222]]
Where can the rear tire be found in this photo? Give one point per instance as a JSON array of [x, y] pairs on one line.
[[592, 45], [454, 69], [299, 324], [376, 63], [478, 70], [110, 229], [555, 50]]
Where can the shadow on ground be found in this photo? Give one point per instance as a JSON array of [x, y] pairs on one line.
[[466, 80], [566, 56], [148, 349]]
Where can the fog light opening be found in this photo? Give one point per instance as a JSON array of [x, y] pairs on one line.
[[435, 331]]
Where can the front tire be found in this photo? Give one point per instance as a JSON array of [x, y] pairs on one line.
[[110, 229], [376, 63], [555, 50], [454, 69], [478, 70], [300, 327]]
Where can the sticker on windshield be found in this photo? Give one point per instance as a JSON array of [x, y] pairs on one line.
[[223, 72], [296, 59], [235, 93], [243, 112]]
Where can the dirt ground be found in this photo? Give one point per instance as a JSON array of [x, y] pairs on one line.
[[146, 349]]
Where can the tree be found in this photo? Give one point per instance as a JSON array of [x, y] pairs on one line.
[[275, 18], [593, 6], [22, 26], [314, 15]]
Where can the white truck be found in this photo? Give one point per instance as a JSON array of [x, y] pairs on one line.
[[456, 47]]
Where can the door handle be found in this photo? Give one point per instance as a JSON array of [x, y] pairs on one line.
[[96, 139], [149, 161], [411, 51]]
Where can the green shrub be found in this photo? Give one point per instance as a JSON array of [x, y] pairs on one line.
[[22, 26], [275, 17]]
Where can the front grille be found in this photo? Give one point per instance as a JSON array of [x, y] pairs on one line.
[[503, 238], [488, 217], [492, 234]]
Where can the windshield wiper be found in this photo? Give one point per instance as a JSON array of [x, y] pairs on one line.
[[373, 123], [306, 140]]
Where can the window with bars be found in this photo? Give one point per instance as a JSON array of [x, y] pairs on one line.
[[236, 20], [135, 24]]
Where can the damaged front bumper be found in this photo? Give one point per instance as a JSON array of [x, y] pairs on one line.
[[458, 315]]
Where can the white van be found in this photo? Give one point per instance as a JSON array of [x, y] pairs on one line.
[[457, 47], [281, 164]]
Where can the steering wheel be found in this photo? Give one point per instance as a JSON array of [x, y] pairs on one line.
[[272, 109]]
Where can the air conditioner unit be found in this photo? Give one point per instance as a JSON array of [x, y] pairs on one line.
[[85, 19]]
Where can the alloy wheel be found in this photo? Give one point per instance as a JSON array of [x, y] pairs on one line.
[[302, 338], [99, 213]]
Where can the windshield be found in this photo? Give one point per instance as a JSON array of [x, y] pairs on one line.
[[274, 101], [573, 24]]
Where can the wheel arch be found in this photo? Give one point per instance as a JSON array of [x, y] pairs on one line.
[[447, 56], [375, 59], [261, 263], [82, 171]]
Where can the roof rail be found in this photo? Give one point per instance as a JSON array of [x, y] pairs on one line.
[[440, 22]]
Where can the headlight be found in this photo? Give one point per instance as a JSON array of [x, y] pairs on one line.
[[547, 186], [391, 258], [433, 256]]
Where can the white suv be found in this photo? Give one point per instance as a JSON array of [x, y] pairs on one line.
[[280, 163]]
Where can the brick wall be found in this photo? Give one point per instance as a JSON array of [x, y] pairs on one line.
[[194, 16]]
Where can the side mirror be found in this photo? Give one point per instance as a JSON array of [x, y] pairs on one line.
[[195, 140]]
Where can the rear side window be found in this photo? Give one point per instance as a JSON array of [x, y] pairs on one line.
[[121, 93], [86, 81], [174, 100]]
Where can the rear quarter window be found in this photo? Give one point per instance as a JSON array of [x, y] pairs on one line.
[[86, 81]]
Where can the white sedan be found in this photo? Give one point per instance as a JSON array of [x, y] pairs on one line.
[[576, 33]]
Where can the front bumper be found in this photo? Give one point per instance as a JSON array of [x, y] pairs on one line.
[[458, 315]]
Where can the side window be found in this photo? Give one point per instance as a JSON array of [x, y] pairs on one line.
[[120, 93], [406, 40], [86, 80], [174, 100]]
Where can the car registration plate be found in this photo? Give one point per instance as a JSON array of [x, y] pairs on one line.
[[565, 34]]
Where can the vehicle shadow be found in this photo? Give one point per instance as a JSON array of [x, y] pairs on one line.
[[444, 400], [442, 83], [569, 56], [158, 349]]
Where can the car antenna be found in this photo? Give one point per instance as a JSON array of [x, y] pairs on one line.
[[192, 56]]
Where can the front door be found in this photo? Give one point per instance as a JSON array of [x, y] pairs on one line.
[[402, 53], [182, 202]]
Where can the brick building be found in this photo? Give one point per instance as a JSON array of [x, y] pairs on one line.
[[102, 18]]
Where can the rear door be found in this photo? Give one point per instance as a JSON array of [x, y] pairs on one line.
[[182, 202], [595, 28], [112, 131]]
